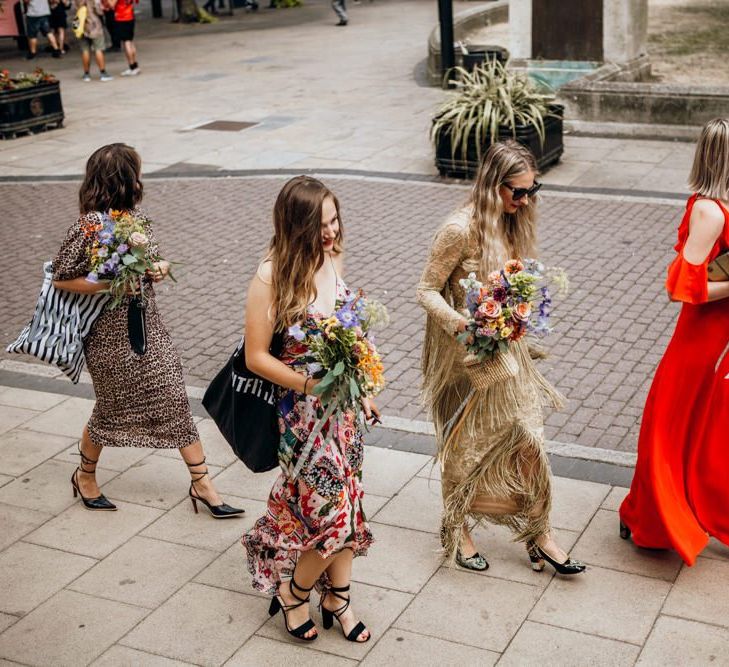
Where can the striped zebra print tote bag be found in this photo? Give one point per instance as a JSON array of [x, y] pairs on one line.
[[60, 323]]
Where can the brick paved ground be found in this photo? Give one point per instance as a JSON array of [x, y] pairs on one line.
[[611, 329]]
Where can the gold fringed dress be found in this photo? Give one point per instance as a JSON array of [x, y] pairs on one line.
[[490, 442]]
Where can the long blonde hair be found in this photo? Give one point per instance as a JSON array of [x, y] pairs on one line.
[[502, 235], [710, 172], [296, 252]]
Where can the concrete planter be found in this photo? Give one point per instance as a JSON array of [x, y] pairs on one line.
[[31, 109], [466, 166]]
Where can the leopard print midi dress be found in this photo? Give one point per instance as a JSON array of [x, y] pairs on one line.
[[140, 399]]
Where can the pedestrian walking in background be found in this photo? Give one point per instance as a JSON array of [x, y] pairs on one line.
[[59, 22], [38, 20], [340, 8], [493, 461], [110, 23], [92, 39], [314, 524], [124, 22], [141, 399], [679, 495]]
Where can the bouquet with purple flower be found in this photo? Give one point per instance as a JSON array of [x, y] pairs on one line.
[[121, 253]]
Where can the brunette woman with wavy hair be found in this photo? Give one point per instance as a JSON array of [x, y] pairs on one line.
[[491, 448], [140, 399], [314, 524]]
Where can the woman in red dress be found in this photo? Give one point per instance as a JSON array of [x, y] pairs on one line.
[[679, 495]]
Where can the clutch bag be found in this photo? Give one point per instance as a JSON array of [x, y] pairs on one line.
[[719, 269]]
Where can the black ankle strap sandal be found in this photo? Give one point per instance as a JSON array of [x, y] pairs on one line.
[[329, 616], [222, 511], [101, 502], [277, 604]]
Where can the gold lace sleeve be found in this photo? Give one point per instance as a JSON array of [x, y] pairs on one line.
[[445, 255]]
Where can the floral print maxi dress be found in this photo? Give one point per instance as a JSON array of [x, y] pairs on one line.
[[322, 507]]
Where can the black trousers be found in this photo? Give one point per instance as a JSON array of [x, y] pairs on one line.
[[111, 27]]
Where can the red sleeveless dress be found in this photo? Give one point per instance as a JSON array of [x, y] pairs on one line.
[[680, 491]]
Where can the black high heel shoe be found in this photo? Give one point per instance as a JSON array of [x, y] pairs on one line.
[[222, 511], [537, 557], [328, 616], [100, 503], [624, 531], [277, 604]]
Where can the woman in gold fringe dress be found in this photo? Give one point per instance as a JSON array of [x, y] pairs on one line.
[[490, 442]]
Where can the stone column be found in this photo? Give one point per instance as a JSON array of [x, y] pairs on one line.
[[625, 28], [520, 28]]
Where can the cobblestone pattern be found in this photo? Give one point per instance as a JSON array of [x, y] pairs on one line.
[[611, 330]]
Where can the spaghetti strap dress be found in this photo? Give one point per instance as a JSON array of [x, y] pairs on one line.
[[321, 508], [679, 495]]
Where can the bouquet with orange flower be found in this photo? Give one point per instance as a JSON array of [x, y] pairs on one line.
[[511, 303], [340, 350], [121, 252]]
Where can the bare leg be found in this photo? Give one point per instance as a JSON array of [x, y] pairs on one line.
[[86, 61], [87, 480], [308, 569], [61, 38], [33, 45], [194, 457], [130, 52], [52, 41], [100, 59], [340, 574]]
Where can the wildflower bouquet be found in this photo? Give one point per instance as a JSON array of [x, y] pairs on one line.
[[340, 350], [121, 252], [513, 302]]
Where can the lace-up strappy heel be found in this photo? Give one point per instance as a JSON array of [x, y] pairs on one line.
[[100, 503], [277, 604], [329, 616], [222, 511]]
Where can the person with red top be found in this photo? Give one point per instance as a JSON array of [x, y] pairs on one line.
[[124, 23], [679, 496]]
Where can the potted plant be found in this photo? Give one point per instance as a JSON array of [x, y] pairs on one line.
[[29, 102], [491, 103]]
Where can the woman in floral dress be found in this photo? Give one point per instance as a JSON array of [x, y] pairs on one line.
[[314, 524]]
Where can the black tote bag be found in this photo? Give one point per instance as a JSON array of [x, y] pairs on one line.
[[243, 405]]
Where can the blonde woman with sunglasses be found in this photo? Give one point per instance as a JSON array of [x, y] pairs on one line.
[[494, 466]]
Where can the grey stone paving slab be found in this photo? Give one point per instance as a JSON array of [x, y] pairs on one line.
[[122, 656], [695, 595], [230, 571], [17, 522], [399, 647], [46, 488], [716, 549], [69, 629], [377, 607], [5, 479], [201, 530], [482, 621], [263, 652], [539, 644], [418, 505], [96, 534], [30, 574], [117, 459], [143, 571], [401, 559], [386, 471], [627, 608], [10, 417], [30, 400], [599, 546], [154, 481], [574, 503], [67, 418], [23, 450], [217, 450], [675, 642], [6, 620], [222, 622], [615, 498], [237, 480]]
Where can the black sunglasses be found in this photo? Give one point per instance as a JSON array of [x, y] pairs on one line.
[[520, 193]]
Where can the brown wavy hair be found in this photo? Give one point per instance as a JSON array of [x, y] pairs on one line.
[[296, 251], [112, 180], [502, 235]]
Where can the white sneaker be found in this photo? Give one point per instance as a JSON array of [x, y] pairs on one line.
[[106, 77], [130, 72], [86, 77]]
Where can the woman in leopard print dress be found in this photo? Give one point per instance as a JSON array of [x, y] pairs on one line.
[[140, 399]]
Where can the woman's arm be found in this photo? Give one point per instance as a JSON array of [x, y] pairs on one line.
[[445, 255], [705, 227], [81, 285], [258, 335]]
